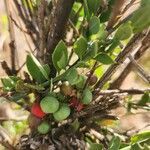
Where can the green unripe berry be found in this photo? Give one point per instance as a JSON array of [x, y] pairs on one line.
[[62, 113], [49, 104], [43, 128]]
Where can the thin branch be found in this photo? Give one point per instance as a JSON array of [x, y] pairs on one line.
[[140, 69], [116, 12], [12, 37], [59, 17], [128, 6], [91, 73], [141, 51], [120, 91], [41, 11], [6, 68], [119, 60]]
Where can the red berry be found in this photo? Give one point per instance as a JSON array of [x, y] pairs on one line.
[[74, 102], [79, 107], [37, 111]]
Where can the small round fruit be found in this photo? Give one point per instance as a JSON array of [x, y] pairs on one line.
[[43, 128], [62, 113], [37, 111], [73, 102], [49, 104], [66, 89], [92, 80]]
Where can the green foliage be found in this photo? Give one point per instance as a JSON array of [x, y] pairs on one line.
[[35, 69], [140, 19], [60, 56], [145, 99], [104, 58], [94, 25], [93, 5], [86, 96], [80, 47], [123, 32], [115, 143]]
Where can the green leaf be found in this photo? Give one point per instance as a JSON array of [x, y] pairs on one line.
[[140, 137], [114, 143], [86, 9], [140, 19], [81, 64], [145, 2], [104, 59], [8, 84], [91, 51], [47, 69], [80, 46], [93, 5], [72, 76], [75, 125], [123, 32], [95, 146], [145, 99], [86, 96], [35, 69], [60, 56], [136, 146], [94, 25]]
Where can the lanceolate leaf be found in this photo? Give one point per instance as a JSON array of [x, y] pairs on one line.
[[60, 56], [80, 46], [94, 25], [104, 59], [35, 69]]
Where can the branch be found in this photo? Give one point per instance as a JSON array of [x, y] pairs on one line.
[[59, 17], [117, 8], [140, 69], [119, 60], [121, 91], [41, 11], [144, 46], [12, 37]]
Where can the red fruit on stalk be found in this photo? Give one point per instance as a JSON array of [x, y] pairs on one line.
[[74, 102], [79, 107], [37, 111]]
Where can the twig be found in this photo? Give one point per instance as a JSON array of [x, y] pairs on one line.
[[91, 73], [59, 17], [128, 6], [119, 60], [41, 10], [74, 28], [12, 37], [142, 49], [128, 91], [6, 68], [140, 69], [116, 12]]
